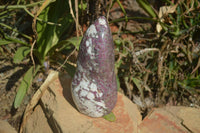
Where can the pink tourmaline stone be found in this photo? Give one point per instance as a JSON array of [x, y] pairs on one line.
[[94, 87]]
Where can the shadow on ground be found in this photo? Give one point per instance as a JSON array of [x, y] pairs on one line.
[[65, 81]]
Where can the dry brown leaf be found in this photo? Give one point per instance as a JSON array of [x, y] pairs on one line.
[[164, 10]]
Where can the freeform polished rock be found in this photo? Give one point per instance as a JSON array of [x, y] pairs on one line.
[[94, 87]]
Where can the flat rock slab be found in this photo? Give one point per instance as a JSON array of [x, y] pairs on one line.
[[57, 113], [63, 117], [37, 122], [172, 119], [5, 127]]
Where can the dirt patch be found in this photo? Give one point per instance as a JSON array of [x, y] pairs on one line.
[[10, 76]]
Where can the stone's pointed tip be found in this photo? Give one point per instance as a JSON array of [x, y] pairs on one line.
[[101, 17], [102, 21]]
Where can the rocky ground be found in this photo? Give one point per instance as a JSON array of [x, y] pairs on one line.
[[10, 77], [56, 113]]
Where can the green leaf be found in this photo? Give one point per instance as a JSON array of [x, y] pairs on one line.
[[190, 89], [83, 6], [24, 86], [49, 35], [118, 83], [75, 41], [110, 117], [21, 54], [138, 83], [66, 44], [118, 42], [147, 7], [4, 42], [70, 69], [9, 40]]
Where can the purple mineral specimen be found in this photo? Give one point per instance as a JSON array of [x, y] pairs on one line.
[[94, 87]]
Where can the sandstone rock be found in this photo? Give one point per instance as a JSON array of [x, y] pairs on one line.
[[5, 127], [171, 120], [190, 117], [37, 122], [57, 113], [64, 117]]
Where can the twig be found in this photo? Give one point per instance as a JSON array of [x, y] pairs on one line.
[[128, 87], [67, 59], [31, 54], [135, 60], [146, 50], [75, 19], [110, 5], [20, 6], [50, 23], [197, 66], [77, 22], [36, 97]]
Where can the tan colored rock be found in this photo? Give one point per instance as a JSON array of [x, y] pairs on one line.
[[64, 117], [190, 117], [5, 127], [171, 120], [57, 113], [161, 121], [37, 122], [58, 110]]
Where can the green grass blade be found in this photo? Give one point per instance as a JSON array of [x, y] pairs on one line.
[[8, 40], [21, 54], [118, 83], [4, 42], [147, 7], [123, 10], [10, 28], [24, 86]]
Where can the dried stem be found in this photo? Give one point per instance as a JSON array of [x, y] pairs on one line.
[[67, 59], [110, 5], [78, 28]]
